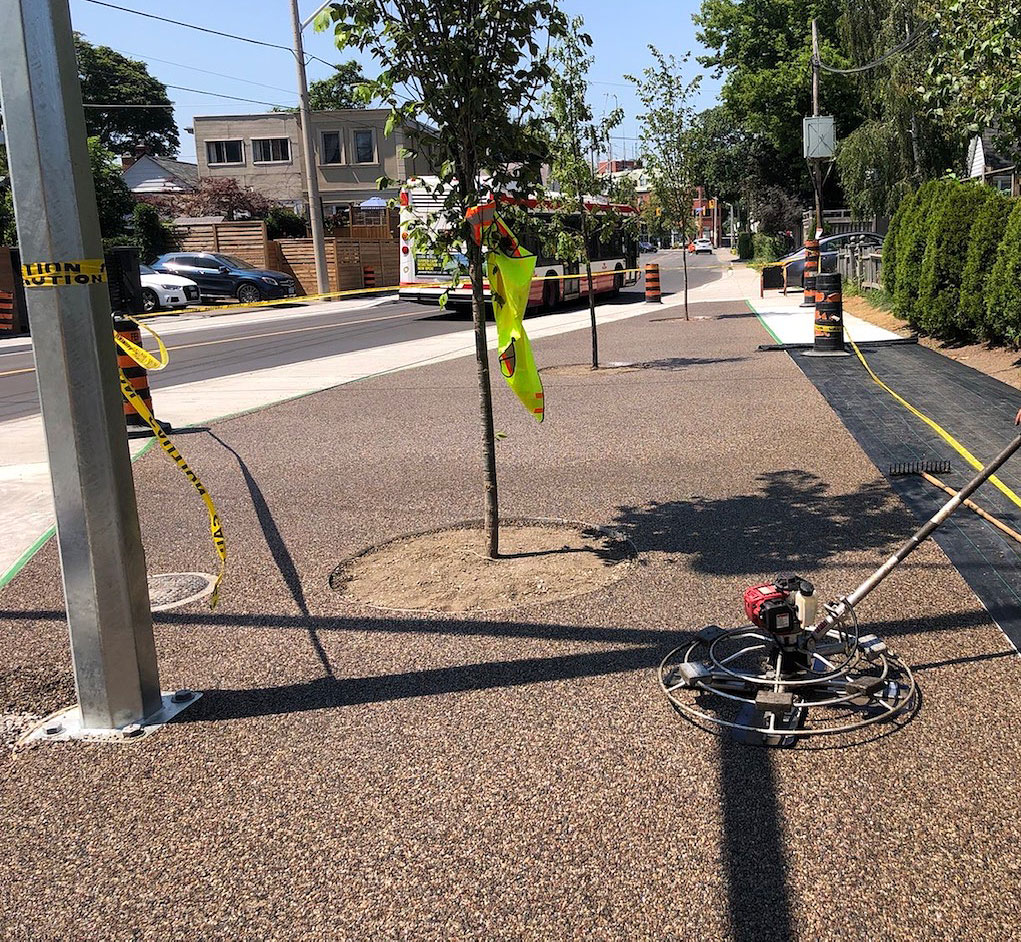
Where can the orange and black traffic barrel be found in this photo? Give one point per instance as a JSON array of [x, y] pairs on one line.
[[829, 314], [136, 375], [811, 271], [652, 292], [368, 277]]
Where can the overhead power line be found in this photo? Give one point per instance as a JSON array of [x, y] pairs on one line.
[[902, 46], [195, 91], [194, 68], [201, 29]]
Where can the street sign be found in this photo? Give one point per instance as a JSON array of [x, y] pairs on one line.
[[819, 137]]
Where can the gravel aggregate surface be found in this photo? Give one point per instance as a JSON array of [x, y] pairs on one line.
[[348, 774]]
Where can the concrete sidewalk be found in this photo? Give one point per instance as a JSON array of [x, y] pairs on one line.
[[355, 774]]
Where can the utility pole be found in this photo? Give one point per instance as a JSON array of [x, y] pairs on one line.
[[816, 163], [315, 205], [101, 556]]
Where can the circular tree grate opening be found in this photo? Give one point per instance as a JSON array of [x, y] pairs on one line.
[[447, 569], [174, 589]]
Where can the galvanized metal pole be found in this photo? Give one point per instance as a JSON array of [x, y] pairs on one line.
[[315, 206], [72, 336]]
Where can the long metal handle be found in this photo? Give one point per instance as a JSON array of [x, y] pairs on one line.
[[841, 608]]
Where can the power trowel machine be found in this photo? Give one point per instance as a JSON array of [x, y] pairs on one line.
[[801, 670]]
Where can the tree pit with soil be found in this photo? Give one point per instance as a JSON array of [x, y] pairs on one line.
[[447, 570]]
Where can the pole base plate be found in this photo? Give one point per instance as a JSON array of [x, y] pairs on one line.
[[66, 725]]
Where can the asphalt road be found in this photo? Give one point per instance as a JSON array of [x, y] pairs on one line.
[[252, 341]]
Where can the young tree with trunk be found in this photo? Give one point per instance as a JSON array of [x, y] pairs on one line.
[[472, 69], [573, 137], [666, 144]]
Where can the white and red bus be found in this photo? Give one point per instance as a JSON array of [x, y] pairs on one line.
[[423, 278]]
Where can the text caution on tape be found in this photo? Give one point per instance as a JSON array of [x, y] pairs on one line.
[[86, 271]]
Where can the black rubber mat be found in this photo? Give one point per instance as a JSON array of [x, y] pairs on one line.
[[975, 409]]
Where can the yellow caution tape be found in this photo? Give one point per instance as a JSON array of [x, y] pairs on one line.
[[938, 429], [139, 354], [86, 271], [219, 542]]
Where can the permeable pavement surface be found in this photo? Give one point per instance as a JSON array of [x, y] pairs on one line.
[[353, 773]]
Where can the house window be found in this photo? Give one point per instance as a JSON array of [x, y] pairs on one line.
[[225, 152], [331, 147], [365, 149], [271, 150]]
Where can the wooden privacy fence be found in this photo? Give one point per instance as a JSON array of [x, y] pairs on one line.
[[245, 240], [13, 311], [346, 262]]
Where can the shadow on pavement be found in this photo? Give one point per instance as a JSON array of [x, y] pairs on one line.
[[326, 692], [794, 522], [755, 856], [278, 548], [671, 364]]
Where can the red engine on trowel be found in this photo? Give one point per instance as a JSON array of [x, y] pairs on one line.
[[782, 607]]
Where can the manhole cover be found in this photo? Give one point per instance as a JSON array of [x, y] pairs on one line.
[[173, 589]]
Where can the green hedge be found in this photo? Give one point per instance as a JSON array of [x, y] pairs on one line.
[[745, 246], [939, 292], [983, 241], [1003, 287], [767, 248], [889, 273], [911, 241], [952, 262]]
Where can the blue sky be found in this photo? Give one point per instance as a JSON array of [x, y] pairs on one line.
[[620, 31]]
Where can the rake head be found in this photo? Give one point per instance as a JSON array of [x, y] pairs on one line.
[[919, 467]]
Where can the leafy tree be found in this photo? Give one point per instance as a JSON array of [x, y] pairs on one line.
[[152, 235], [8, 233], [113, 198], [284, 223], [1003, 304], [572, 135], [471, 69], [939, 291], [983, 241], [336, 93], [722, 154], [899, 145], [215, 196], [665, 143], [973, 80], [108, 78], [775, 210], [764, 48]]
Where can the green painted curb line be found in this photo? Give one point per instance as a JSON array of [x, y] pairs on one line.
[[762, 322], [24, 559]]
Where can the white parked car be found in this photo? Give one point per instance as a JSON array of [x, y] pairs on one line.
[[160, 290], [703, 245]]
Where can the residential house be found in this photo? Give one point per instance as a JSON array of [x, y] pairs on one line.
[[146, 174], [264, 152], [990, 160]]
